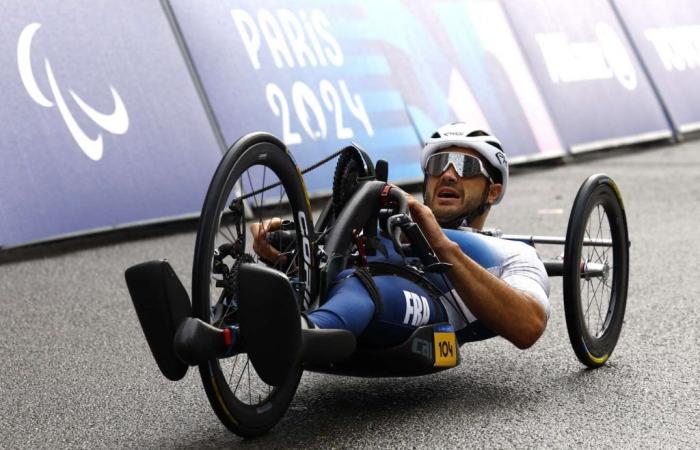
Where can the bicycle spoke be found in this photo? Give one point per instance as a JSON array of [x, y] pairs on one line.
[[241, 376], [259, 207], [593, 249], [608, 285], [606, 309], [603, 257], [599, 231], [600, 318], [602, 223], [588, 291], [591, 300], [222, 322], [262, 194], [250, 396], [279, 202], [252, 188], [230, 238], [234, 235], [233, 369], [595, 292], [289, 252]]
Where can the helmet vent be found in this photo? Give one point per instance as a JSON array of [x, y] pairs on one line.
[[495, 144], [435, 135]]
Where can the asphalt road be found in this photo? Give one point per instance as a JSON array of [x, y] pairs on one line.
[[76, 370]]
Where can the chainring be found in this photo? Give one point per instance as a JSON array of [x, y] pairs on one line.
[[349, 172]]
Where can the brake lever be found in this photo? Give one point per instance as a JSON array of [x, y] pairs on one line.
[[393, 226]]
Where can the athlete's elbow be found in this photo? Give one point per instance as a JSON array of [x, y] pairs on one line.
[[531, 333], [526, 341]]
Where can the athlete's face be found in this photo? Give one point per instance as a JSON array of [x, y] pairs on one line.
[[450, 196]]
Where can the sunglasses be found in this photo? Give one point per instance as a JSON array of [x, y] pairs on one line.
[[465, 165]]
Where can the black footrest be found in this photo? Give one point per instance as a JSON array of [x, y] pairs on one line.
[[161, 304], [270, 322]]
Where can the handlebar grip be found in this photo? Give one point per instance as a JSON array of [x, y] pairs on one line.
[[281, 239], [399, 198], [393, 203]]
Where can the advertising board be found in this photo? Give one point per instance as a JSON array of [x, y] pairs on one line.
[[311, 74], [588, 72], [459, 61], [667, 35], [102, 125]]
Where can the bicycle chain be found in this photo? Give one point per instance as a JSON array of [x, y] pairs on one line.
[[230, 281]]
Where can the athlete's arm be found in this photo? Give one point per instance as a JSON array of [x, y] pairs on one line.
[[507, 311]]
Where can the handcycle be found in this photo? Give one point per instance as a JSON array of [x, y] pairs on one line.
[[363, 213]]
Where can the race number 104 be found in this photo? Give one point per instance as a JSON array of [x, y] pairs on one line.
[[318, 111]]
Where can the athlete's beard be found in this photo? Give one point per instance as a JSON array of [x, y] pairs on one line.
[[470, 208]]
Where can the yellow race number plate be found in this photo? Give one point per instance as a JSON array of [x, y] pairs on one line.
[[445, 349]]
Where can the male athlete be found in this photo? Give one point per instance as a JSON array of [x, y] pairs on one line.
[[495, 286]]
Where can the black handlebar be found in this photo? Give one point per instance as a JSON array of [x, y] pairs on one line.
[[359, 212], [371, 197], [360, 208]]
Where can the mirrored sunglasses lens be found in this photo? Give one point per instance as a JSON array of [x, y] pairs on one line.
[[470, 166], [437, 164]]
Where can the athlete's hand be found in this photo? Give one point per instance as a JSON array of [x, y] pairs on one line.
[[425, 219], [261, 246]]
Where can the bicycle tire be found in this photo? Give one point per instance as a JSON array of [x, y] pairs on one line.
[[256, 149], [599, 200]]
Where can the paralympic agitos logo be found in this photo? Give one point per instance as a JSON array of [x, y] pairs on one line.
[[116, 122]]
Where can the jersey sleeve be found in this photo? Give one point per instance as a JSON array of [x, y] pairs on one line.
[[525, 271]]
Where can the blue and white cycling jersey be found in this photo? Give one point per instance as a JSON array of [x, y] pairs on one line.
[[406, 305], [515, 263]]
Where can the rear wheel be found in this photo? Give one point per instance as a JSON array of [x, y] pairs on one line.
[[596, 269], [256, 181]]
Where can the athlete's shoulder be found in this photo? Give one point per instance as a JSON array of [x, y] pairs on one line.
[[490, 250], [518, 247], [486, 250]]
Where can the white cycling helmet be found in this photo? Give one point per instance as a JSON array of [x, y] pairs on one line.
[[458, 134]]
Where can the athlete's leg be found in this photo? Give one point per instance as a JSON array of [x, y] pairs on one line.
[[404, 307], [349, 307]]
